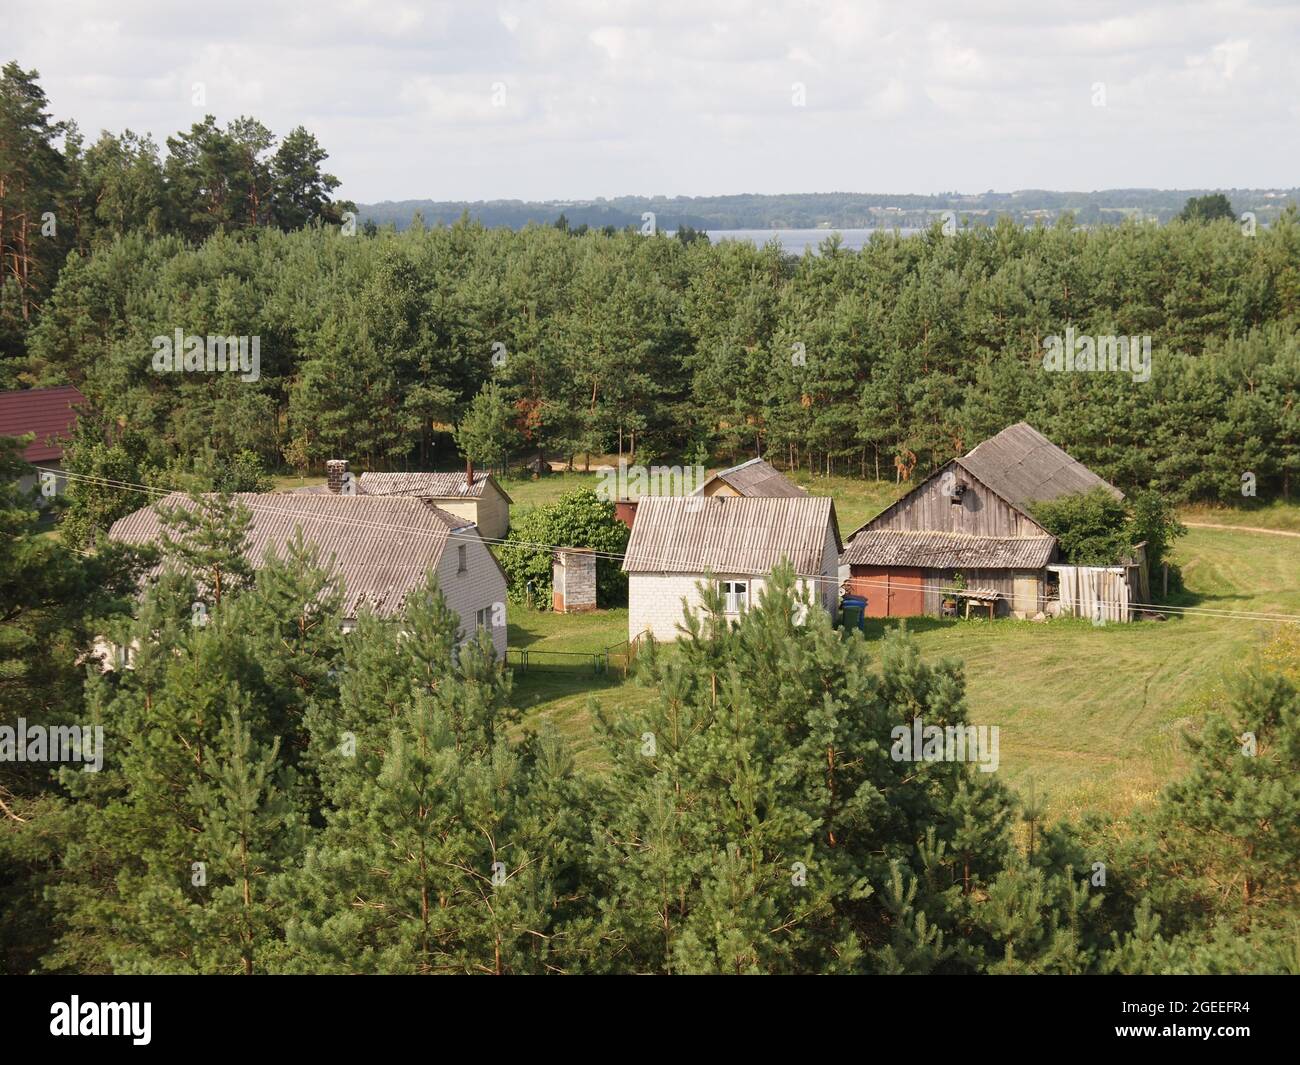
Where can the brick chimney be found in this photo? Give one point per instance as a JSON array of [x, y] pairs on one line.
[[469, 474], [335, 469]]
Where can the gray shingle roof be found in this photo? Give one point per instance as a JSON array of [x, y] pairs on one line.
[[428, 485], [729, 534], [1024, 467], [939, 550], [760, 478], [383, 546]]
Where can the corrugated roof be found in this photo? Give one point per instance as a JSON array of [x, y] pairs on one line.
[[938, 550], [428, 485], [729, 534], [382, 545], [47, 412], [1024, 468], [758, 478]]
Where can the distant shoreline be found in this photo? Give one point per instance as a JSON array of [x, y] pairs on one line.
[[829, 211]]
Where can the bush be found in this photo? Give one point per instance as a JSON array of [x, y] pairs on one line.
[[579, 519], [1096, 529], [1092, 527]]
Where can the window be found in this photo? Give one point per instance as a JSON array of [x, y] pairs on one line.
[[737, 593], [461, 565], [483, 618]]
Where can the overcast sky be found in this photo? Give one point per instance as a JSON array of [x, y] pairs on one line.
[[556, 99]]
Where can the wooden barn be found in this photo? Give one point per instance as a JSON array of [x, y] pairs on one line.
[[971, 517]]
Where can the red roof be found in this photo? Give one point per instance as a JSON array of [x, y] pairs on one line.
[[47, 412]]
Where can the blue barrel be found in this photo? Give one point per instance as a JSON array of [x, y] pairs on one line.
[[853, 612]]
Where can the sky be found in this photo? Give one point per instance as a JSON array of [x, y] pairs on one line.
[[576, 99]]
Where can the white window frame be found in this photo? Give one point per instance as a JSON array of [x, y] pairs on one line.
[[737, 596]]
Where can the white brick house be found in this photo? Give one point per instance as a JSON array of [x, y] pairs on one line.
[[677, 543], [381, 546]]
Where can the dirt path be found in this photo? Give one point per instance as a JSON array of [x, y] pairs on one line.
[[1239, 528]]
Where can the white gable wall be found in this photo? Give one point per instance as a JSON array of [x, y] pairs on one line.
[[490, 512], [480, 587], [655, 600]]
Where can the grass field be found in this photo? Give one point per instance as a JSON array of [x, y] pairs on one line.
[[1091, 718], [1275, 515], [855, 500]]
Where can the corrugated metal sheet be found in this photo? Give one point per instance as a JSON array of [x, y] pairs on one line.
[[1024, 467], [382, 545], [759, 478], [429, 485], [441, 485], [47, 412], [729, 534], [936, 550]]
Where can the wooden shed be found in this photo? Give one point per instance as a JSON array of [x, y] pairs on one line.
[[573, 580], [971, 517]]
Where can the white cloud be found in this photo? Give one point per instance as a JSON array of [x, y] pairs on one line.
[[693, 96]]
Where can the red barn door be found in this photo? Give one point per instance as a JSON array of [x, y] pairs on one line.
[[890, 592]]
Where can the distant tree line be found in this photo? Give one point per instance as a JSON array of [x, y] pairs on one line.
[[839, 210], [880, 363]]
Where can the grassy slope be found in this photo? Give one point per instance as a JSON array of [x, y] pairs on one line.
[[1276, 515], [1090, 718]]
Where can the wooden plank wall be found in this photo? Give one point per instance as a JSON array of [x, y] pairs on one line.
[[981, 512]]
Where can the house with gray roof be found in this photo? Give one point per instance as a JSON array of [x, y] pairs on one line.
[[677, 542], [381, 546], [757, 477], [970, 517], [472, 495]]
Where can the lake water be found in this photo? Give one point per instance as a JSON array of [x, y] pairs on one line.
[[795, 241]]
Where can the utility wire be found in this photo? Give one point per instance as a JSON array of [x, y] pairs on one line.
[[664, 565]]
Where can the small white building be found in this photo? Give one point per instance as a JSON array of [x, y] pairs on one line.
[[677, 543]]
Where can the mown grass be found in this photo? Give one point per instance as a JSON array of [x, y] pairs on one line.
[[1091, 718], [1264, 515], [559, 690]]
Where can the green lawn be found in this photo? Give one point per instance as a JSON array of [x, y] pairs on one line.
[[559, 689], [1274, 515], [1090, 718], [525, 492]]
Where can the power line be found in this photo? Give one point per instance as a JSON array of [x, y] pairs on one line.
[[666, 564]]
